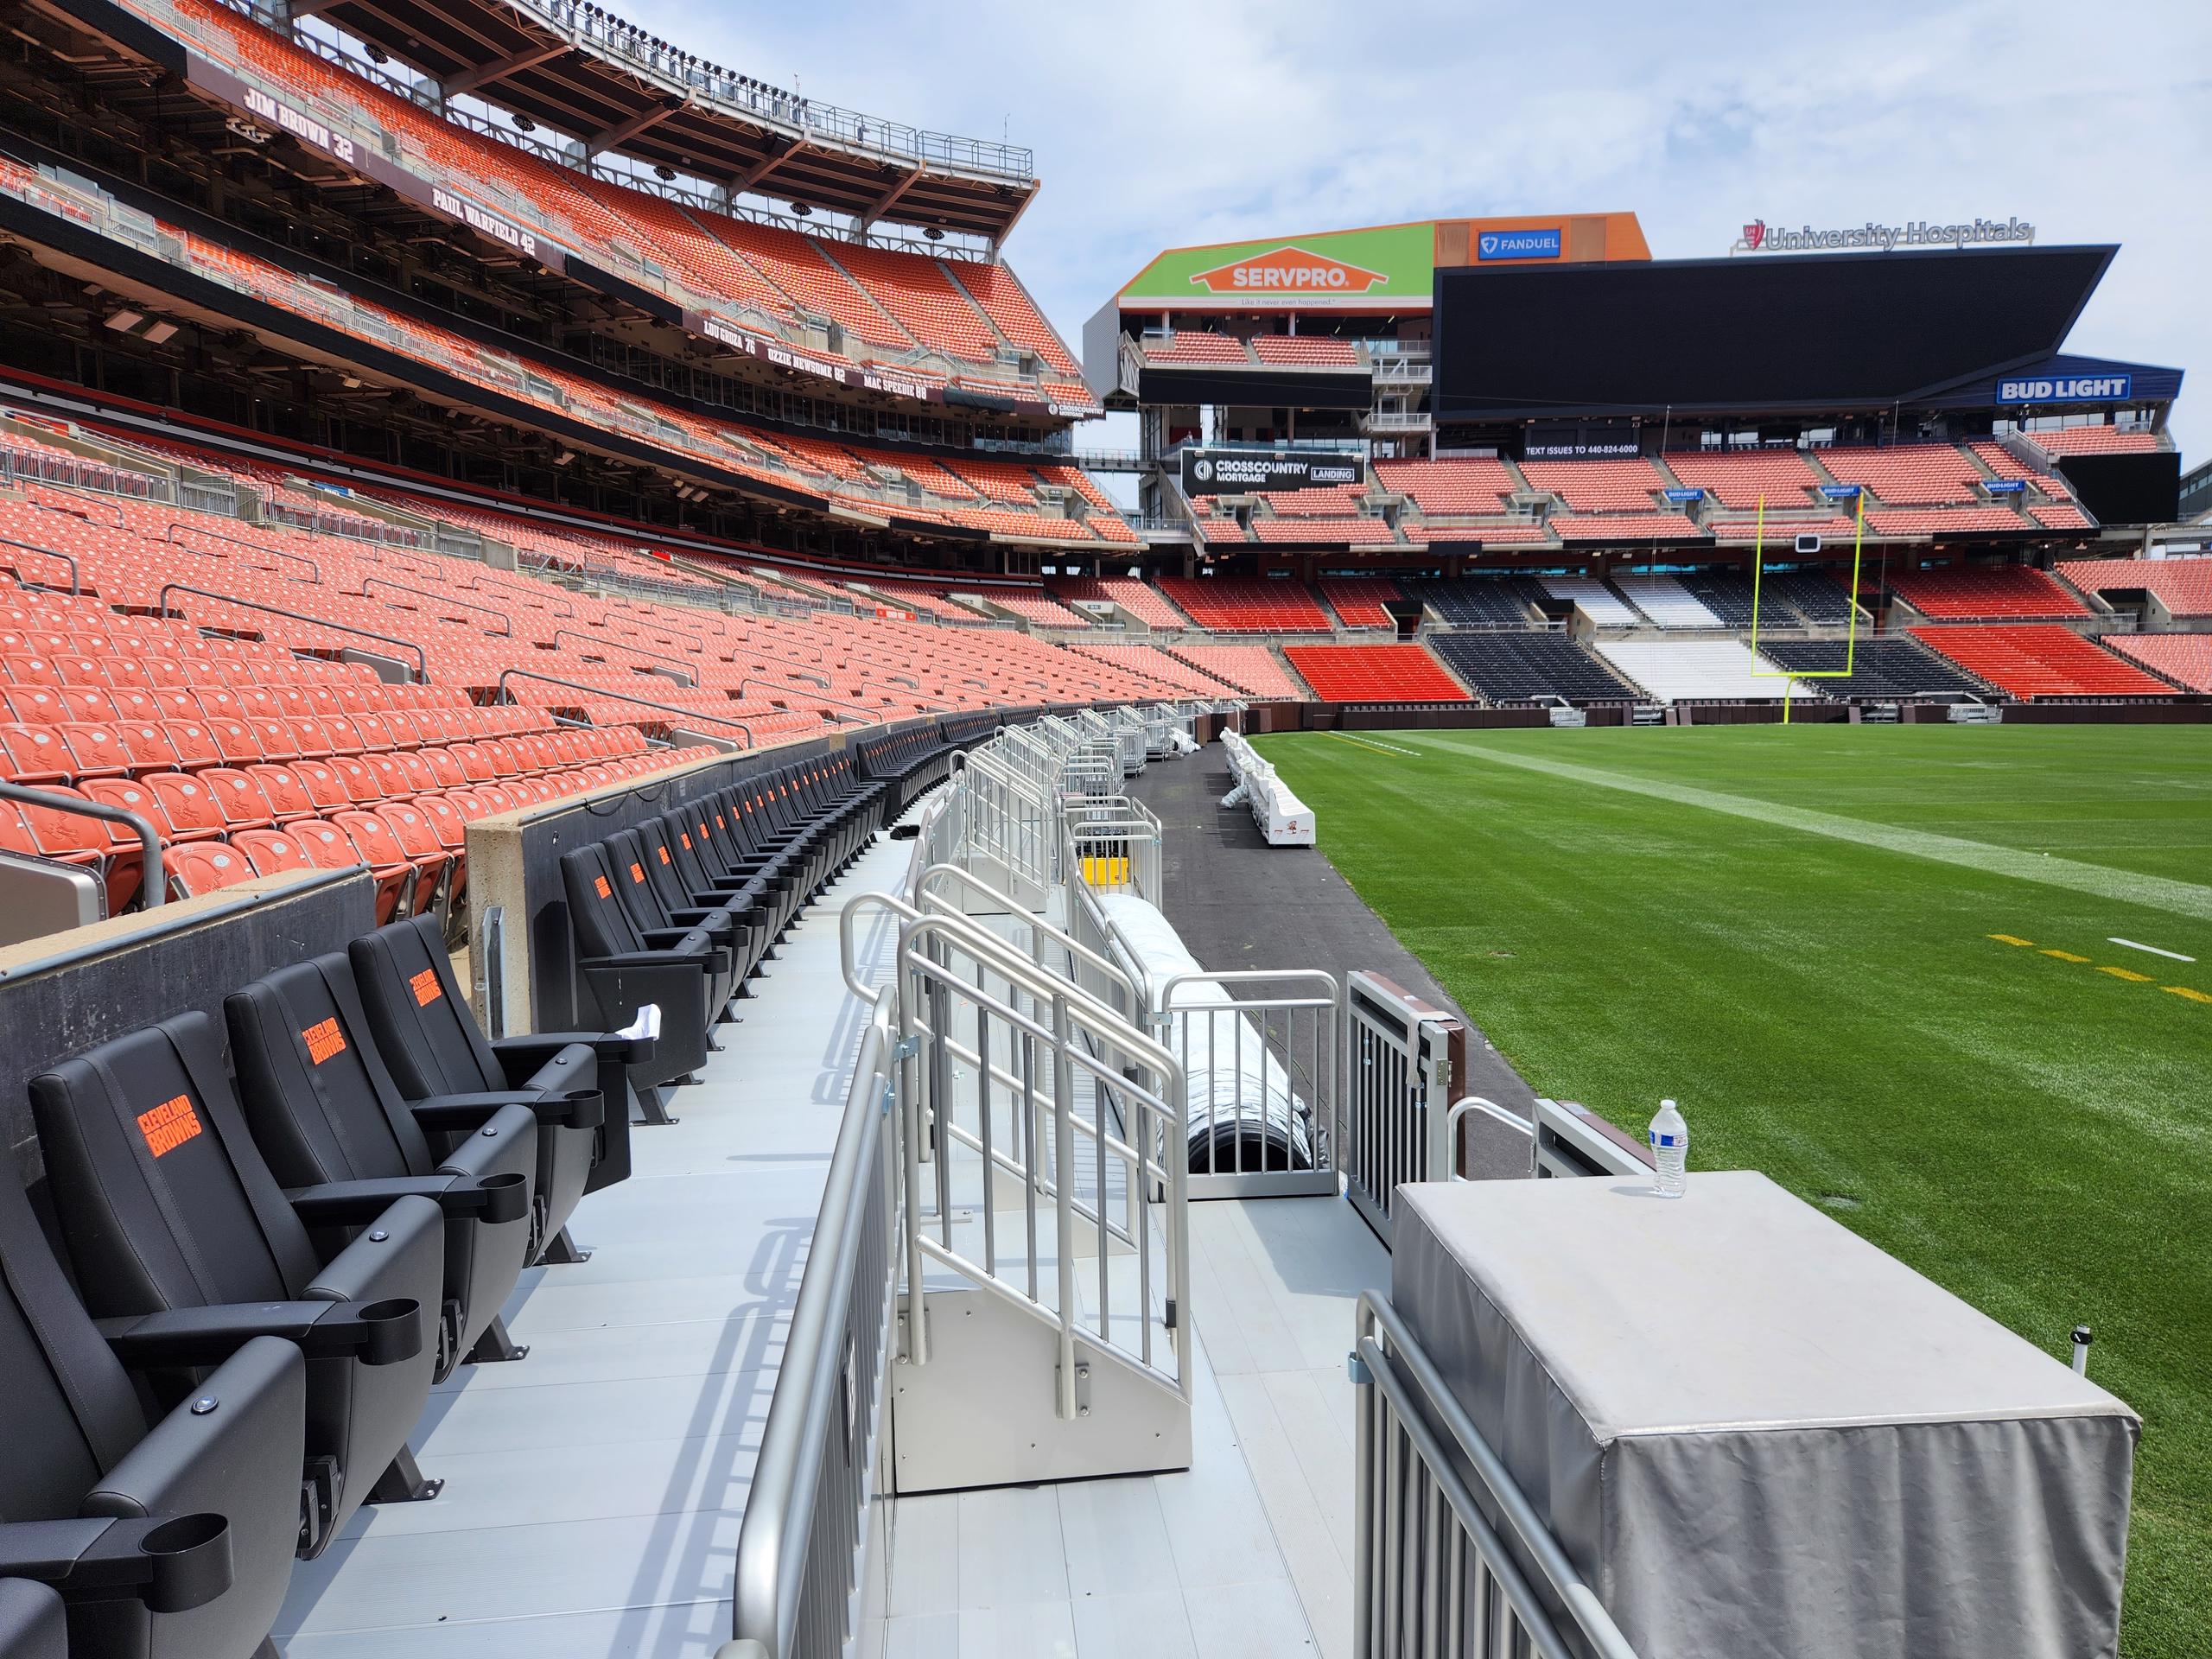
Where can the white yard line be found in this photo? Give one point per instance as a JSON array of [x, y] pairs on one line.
[[2174, 955]]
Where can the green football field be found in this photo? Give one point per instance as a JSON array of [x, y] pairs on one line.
[[1878, 963]]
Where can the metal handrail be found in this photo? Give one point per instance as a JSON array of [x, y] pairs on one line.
[[153, 886], [161, 604], [76, 581], [770, 1567], [698, 643], [638, 650], [508, 631], [1040, 929], [1438, 1402], [170, 536], [622, 696]]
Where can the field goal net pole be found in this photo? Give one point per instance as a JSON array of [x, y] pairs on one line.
[[1851, 635]]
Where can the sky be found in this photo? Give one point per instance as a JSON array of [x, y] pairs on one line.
[[1158, 124]]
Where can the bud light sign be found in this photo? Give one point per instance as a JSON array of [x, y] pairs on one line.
[[2068, 389], [1517, 245]]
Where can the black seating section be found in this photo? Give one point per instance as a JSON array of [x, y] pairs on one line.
[[1516, 667], [324, 1110], [173, 1537], [682, 908], [1728, 596], [283, 1267], [1820, 600], [1481, 601], [912, 763], [173, 1220], [433, 1046], [1881, 669]]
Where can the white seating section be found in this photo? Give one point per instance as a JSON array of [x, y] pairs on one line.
[[1596, 601], [1701, 670], [1666, 602], [1284, 820]]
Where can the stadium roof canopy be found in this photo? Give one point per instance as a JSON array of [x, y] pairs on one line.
[[579, 70]]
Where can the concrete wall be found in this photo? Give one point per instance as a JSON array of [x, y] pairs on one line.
[[61, 995]]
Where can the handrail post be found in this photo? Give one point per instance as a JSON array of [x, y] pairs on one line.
[[153, 885], [507, 674], [1063, 1200], [76, 581], [161, 604], [507, 621]]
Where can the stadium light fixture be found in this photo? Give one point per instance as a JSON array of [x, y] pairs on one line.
[[159, 334], [125, 321]]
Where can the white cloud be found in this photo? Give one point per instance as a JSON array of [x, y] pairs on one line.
[[1157, 124]]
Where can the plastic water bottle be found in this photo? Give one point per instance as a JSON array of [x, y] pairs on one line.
[[1670, 1144]]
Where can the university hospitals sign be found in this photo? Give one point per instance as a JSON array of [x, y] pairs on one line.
[[1759, 238]]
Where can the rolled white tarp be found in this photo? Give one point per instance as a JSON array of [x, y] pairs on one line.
[[1243, 1111]]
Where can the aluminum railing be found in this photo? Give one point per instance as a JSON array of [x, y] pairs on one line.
[[1442, 1530], [800, 1547], [1403, 1060]]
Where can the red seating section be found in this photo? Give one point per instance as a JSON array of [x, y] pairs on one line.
[[2184, 658], [1444, 488], [1317, 351], [1253, 670], [1247, 605], [2095, 441], [2183, 586], [1975, 591], [1906, 474], [1625, 486], [1375, 674], [1140, 599], [2032, 660], [1359, 601]]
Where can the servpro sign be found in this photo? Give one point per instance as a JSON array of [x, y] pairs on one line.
[[1288, 270], [1388, 268]]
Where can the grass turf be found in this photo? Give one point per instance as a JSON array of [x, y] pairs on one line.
[[2028, 1130]]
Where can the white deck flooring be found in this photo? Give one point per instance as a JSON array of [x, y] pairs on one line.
[[595, 1489]]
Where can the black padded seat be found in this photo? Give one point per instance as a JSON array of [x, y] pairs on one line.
[[623, 967], [323, 1108], [166, 1206], [433, 1046], [192, 1517]]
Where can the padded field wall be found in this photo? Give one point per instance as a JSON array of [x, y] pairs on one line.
[[63, 994]]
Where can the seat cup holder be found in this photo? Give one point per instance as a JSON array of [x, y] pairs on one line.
[[394, 1330], [190, 1558], [586, 1109], [506, 1197]]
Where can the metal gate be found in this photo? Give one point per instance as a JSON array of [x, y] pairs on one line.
[[1403, 1060]]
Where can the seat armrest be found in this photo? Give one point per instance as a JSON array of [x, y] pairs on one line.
[[533, 1049], [377, 1334], [665, 939], [356, 1203], [580, 1109], [171, 1563]]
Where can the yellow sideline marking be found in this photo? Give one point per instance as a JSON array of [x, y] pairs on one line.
[[2128, 975], [1380, 749]]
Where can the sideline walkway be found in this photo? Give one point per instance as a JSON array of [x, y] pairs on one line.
[[593, 1491]]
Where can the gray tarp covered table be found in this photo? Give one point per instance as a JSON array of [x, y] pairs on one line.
[[1756, 1434]]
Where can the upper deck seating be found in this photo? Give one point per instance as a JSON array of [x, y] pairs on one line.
[[1450, 488], [1307, 350], [1139, 598], [2095, 441], [1906, 474], [1603, 485], [1738, 479]]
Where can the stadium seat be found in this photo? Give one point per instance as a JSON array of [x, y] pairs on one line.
[[434, 1048], [625, 967], [169, 1213], [170, 1533]]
